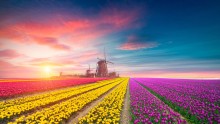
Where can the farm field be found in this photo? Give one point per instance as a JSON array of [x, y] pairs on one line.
[[15, 87], [111, 101]]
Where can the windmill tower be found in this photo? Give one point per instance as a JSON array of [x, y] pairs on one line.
[[102, 68], [88, 72]]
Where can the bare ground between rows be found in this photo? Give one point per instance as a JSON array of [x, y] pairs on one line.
[[81, 113], [162, 101], [48, 105], [126, 108]]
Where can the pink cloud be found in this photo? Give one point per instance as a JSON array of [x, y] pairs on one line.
[[108, 21], [47, 63], [46, 29], [51, 42], [35, 60], [75, 59], [89, 55], [58, 62], [21, 36], [80, 24], [5, 64], [75, 28], [118, 17], [66, 60], [134, 43], [8, 32], [9, 70], [9, 53]]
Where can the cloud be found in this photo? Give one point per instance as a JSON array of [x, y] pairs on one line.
[[55, 62], [9, 53], [135, 43], [83, 57], [51, 42], [15, 34], [5, 64], [57, 30], [62, 31], [47, 63], [88, 55], [67, 60], [119, 18], [8, 32], [9, 70], [1, 44]]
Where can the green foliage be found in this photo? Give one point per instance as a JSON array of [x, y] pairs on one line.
[[132, 117], [194, 119], [216, 111]]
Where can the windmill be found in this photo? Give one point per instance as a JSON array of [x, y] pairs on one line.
[[102, 68], [88, 72]]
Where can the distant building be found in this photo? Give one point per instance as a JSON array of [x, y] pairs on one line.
[[112, 74]]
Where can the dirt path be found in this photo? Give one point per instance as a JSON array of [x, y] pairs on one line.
[[126, 108], [87, 108]]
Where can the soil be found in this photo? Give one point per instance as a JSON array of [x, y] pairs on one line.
[[126, 108]]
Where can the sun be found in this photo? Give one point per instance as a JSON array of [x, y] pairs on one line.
[[47, 69]]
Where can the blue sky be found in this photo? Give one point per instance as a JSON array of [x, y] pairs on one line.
[[174, 38]]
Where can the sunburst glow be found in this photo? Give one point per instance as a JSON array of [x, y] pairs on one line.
[[47, 69]]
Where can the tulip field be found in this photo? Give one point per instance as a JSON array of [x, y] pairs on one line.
[[146, 108], [110, 101], [10, 87], [196, 100]]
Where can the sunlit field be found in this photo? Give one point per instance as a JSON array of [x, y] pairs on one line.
[[106, 101]]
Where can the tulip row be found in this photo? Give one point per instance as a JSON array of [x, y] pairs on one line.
[[24, 99], [185, 99], [148, 109], [44, 99], [12, 88], [60, 112], [204, 90], [107, 111]]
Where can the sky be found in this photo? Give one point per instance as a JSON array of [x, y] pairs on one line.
[[149, 38]]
